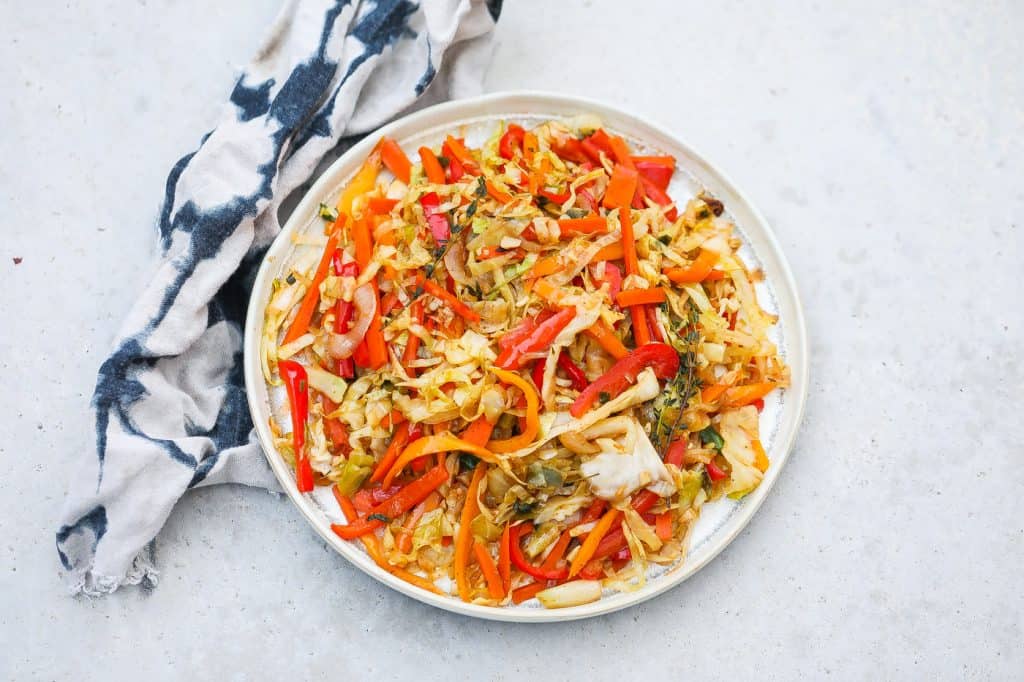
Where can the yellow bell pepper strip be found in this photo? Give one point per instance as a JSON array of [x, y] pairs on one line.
[[361, 184], [300, 324], [495, 587], [446, 297], [373, 548], [589, 546], [532, 414], [760, 456], [634, 297], [464, 537], [431, 166], [395, 159], [621, 187], [594, 224], [396, 505], [429, 445], [738, 396], [604, 335], [697, 271], [297, 386]]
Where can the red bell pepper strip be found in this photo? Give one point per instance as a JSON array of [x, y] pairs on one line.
[[613, 276], [455, 148], [520, 561], [511, 141], [368, 498], [455, 168], [660, 357], [558, 198], [297, 386], [575, 374], [652, 324], [344, 314], [432, 168], [569, 149], [396, 505], [715, 472], [522, 330], [399, 440], [537, 373], [602, 141], [659, 197], [540, 339], [395, 159], [676, 452], [436, 219], [592, 151], [657, 174]]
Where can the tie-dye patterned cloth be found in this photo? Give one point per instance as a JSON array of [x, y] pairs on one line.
[[170, 401]]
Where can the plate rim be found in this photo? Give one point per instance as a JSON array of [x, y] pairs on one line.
[[423, 119]]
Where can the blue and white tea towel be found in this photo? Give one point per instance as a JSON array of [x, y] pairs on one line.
[[170, 401]]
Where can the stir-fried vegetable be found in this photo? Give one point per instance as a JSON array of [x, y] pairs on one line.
[[521, 366]]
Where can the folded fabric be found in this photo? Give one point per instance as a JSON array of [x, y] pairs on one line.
[[170, 403]]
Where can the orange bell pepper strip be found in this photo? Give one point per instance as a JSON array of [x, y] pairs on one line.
[[530, 146], [610, 252], [381, 205], [589, 225], [495, 587], [428, 445], [663, 525], [620, 150], [532, 414], [404, 540], [521, 594], [459, 151], [604, 335], [697, 271], [431, 166], [395, 159], [738, 396], [396, 505], [412, 346], [640, 297], [589, 546], [395, 447], [373, 548], [621, 187], [711, 393], [667, 161], [308, 306], [497, 193], [361, 184], [544, 267], [505, 558], [445, 296], [464, 537]]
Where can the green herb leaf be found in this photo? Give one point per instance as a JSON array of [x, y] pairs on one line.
[[481, 187], [327, 213], [443, 160], [379, 517], [468, 461], [471, 209], [604, 396], [710, 436], [577, 213]]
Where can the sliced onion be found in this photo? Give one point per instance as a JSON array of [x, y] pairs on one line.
[[570, 594], [343, 345], [455, 259], [578, 444]]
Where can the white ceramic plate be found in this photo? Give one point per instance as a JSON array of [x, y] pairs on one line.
[[476, 119]]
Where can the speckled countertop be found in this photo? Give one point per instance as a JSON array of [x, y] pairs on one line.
[[884, 142]]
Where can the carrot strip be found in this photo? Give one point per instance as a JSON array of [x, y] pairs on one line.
[[412, 346], [588, 225], [620, 150], [459, 151], [395, 159], [697, 271], [738, 396], [589, 546], [621, 187], [465, 533], [667, 161], [497, 193], [395, 447], [544, 267], [640, 297], [532, 414], [521, 594], [442, 294], [629, 257], [308, 306], [663, 525], [396, 505], [495, 587], [431, 166], [603, 334], [557, 552], [479, 432], [530, 146], [505, 558]]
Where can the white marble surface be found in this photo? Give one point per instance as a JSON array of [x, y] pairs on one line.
[[882, 140]]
